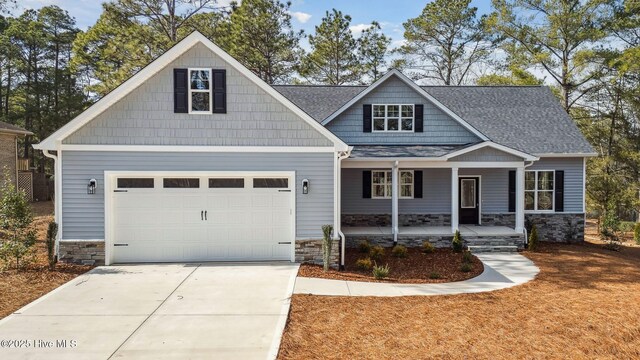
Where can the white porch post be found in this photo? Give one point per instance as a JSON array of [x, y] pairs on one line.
[[394, 201], [519, 199], [454, 199]]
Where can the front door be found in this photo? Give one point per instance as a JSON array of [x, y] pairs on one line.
[[469, 198]]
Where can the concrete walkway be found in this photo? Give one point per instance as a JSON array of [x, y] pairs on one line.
[[169, 311], [500, 271]]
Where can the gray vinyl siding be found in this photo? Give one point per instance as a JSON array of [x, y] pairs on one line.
[[573, 179], [437, 190], [83, 214], [486, 154], [145, 116], [439, 128]]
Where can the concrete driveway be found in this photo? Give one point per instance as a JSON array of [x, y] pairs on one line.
[[172, 311]]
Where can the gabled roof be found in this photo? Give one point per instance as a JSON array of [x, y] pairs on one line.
[[13, 129], [160, 63], [526, 118]]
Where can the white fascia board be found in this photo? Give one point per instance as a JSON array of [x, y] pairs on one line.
[[491, 144], [159, 64], [567, 155], [416, 88], [212, 149]]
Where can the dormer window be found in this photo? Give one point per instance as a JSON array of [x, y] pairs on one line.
[[200, 99], [393, 118]]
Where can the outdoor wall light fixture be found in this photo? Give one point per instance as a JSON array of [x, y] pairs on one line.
[[91, 187], [305, 186]]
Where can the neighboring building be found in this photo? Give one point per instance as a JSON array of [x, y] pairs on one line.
[[196, 159], [9, 161]]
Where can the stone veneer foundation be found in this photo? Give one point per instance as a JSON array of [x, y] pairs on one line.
[[403, 219], [81, 252], [310, 251]]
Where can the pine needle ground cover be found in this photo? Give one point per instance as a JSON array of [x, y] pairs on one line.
[[20, 288], [585, 303]]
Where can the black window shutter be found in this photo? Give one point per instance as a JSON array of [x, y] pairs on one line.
[[419, 118], [180, 90], [512, 191], [366, 184], [219, 91], [366, 118], [559, 186], [417, 184]]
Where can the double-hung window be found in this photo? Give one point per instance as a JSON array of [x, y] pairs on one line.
[[381, 183], [539, 190], [200, 99], [393, 118]]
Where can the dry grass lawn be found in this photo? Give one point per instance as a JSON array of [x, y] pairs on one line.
[[20, 288], [585, 303]]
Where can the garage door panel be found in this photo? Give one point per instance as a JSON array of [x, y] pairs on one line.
[[168, 225]]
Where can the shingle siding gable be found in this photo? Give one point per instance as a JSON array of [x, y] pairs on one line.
[[146, 115]]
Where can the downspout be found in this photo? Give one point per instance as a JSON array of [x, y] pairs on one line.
[[341, 156], [56, 200], [524, 228]]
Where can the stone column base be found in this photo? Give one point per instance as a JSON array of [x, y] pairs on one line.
[[310, 251], [81, 252]]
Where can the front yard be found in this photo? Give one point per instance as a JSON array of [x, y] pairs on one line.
[[585, 303], [20, 288]]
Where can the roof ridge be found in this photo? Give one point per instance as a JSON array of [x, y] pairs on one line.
[[318, 85], [484, 86]]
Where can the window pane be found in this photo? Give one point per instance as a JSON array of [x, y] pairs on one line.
[[378, 177], [545, 200], [529, 199], [407, 124], [226, 183], [392, 124], [388, 176], [393, 111], [199, 80], [406, 177], [200, 101], [378, 124], [530, 180], [406, 190], [135, 183], [378, 110], [378, 190], [468, 193], [387, 190], [270, 183], [545, 180], [181, 183], [407, 111]]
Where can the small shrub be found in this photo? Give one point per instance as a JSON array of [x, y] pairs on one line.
[[466, 267], [364, 246], [636, 233], [533, 239], [380, 272], [610, 231], [376, 252], [467, 258], [435, 275], [627, 226], [52, 231], [326, 246], [17, 237], [364, 264], [428, 247], [457, 243], [399, 251]]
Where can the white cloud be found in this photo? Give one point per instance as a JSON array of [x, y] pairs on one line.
[[359, 28], [301, 16]]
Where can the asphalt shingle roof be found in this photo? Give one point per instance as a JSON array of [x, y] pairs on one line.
[[526, 118], [6, 127], [399, 151]]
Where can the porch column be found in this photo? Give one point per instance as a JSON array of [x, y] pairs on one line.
[[394, 201], [454, 199], [519, 199]]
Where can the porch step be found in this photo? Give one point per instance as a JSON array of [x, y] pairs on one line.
[[476, 249]]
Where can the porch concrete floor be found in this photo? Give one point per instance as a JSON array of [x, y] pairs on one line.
[[465, 230]]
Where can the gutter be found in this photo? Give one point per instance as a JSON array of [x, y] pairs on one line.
[[338, 186], [56, 202]]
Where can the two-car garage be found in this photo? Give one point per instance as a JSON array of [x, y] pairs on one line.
[[189, 216]]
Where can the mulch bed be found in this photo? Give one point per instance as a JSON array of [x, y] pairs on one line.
[[416, 268], [18, 288]]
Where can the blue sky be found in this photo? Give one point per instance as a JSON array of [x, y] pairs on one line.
[[307, 13]]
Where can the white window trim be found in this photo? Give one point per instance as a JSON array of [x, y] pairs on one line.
[[386, 118], [388, 182], [191, 91], [536, 190]]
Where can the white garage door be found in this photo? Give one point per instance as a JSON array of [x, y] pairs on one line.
[[202, 218]]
